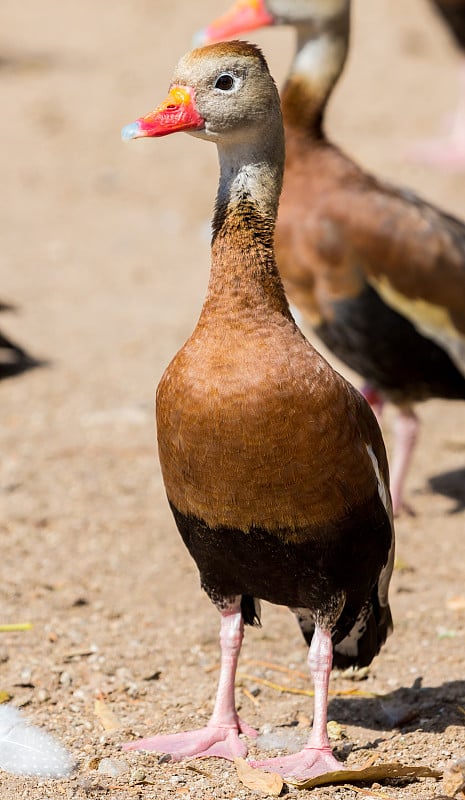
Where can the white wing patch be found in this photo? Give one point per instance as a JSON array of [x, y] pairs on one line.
[[432, 321], [349, 645], [320, 59], [382, 489], [386, 572]]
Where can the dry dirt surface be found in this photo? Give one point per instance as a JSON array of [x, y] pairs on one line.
[[105, 248]]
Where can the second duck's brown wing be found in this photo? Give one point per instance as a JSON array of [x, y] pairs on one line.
[[359, 233]]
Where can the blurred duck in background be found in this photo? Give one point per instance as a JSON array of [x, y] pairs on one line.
[[378, 272], [13, 359], [449, 149]]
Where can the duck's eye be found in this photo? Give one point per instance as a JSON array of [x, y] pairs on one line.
[[224, 82]]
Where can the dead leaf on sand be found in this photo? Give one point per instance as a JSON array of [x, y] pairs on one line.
[[369, 774], [266, 783], [106, 716]]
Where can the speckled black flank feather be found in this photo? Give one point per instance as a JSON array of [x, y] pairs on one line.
[[389, 352], [341, 559], [370, 631]]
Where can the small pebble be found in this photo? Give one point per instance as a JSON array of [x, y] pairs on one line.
[[66, 679], [112, 767], [137, 776], [26, 675]]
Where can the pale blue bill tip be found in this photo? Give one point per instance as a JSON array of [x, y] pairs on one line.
[[199, 38], [130, 131]]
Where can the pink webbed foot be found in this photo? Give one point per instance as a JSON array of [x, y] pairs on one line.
[[306, 764], [222, 741], [220, 737]]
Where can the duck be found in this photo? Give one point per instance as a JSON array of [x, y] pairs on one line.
[[13, 358], [449, 150], [274, 465], [376, 272]]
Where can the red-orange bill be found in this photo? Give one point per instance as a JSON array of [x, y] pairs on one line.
[[245, 15], [176, 113]]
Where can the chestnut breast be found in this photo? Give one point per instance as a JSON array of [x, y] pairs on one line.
[[255, 429]]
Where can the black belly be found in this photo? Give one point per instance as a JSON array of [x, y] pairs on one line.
[[388, 351], [341, 559]]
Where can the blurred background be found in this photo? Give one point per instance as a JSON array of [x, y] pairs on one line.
[[105, 253]]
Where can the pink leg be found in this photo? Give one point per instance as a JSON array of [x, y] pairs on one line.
[[220, 737], [405, 436], [316, 758], [448, 150]]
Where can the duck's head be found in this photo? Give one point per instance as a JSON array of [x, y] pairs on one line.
[[247, 15], [223, 92]]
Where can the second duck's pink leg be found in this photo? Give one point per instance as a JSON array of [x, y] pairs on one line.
[[406, 427], [449, 150], [316, 758], [220, 737]]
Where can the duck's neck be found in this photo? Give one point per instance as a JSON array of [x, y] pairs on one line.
[[320, 57], [244, 278]]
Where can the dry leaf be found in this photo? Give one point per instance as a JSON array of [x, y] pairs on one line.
[[5, 696], [199, 771], [402, 566], [16, 626], [106, 716], [250, 696], [266, 783], [292, 690], [456, 603], [369, 774]]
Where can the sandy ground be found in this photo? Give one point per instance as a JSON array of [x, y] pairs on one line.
[[105, 249]]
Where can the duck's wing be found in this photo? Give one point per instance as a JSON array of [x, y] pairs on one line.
[[409, 251]]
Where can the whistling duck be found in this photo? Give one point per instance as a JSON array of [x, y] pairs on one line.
[[378, 272], [13, 359], [449, 150], [274, 466]]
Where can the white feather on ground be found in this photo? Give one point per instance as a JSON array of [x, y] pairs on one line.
[[28, 750]]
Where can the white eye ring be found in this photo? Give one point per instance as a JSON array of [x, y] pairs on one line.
[[225, 82]]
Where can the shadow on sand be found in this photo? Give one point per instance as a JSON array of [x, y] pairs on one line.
[[430, 708], [450, 484]]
